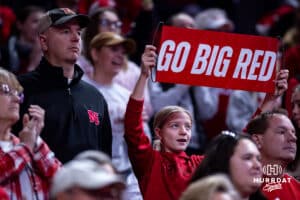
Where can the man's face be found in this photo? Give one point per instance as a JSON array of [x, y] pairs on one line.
[[62, 44], [278, 143]]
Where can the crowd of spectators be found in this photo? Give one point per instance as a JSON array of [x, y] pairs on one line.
[[80, 117]]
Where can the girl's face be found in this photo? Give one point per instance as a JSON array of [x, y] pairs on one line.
[[111, 59], [245, 167], [175, 134]]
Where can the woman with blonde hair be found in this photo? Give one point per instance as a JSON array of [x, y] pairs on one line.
[[212, 187], [27, 163]]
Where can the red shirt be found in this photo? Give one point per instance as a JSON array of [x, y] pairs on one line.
[[161, 175], [288, 189], [8, 18]]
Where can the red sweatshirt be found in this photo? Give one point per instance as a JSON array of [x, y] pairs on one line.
[[161, 175], [286, 187]]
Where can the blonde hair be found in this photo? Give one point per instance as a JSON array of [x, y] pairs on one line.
[[10, 79], [205, 188], [162, 117], [165, 113]]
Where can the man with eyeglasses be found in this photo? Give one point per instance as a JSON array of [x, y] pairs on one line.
[[76, 113]]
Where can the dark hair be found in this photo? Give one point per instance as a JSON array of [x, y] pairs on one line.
[[22, 14], [217, 158], [218, 154], [92, 29], [25, 12], [260, 123]]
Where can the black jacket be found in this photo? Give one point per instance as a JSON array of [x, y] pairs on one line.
[[71, 121]]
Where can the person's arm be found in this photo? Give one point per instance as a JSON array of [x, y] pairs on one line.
[[33, 123], [271, 99], [148, 61], [45, 162], [140, 150]]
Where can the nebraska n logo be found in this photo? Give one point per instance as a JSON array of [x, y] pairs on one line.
[[93, 116]]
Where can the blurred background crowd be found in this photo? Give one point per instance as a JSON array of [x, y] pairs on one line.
[[215, 109], [133, 23]]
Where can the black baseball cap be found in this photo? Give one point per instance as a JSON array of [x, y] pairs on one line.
[[59, 16]]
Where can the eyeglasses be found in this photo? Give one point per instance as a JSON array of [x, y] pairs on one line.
[[111, 24], [7, 91]]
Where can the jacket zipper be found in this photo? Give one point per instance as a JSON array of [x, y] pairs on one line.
[[72, 103], [69, 91]]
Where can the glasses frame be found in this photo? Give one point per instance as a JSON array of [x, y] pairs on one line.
[[112, 24], [8, 91]]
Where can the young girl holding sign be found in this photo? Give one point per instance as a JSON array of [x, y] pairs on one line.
[[161, 174]]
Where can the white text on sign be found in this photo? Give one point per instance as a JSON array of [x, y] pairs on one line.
[[215, 60]]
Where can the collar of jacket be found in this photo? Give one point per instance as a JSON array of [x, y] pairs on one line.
[[171, 155], [54, 74]]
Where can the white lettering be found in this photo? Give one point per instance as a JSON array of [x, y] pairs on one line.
[[182, 49], [221, 70], [261, 66], [164, 59], [215, 63], [255, 64], [242, 63], [172, 55], [212, 60], [201, 57], [270, 57]]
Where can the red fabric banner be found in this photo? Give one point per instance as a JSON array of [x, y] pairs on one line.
[[216, 59]]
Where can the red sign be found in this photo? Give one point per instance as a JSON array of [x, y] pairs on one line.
[[216, 59]]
